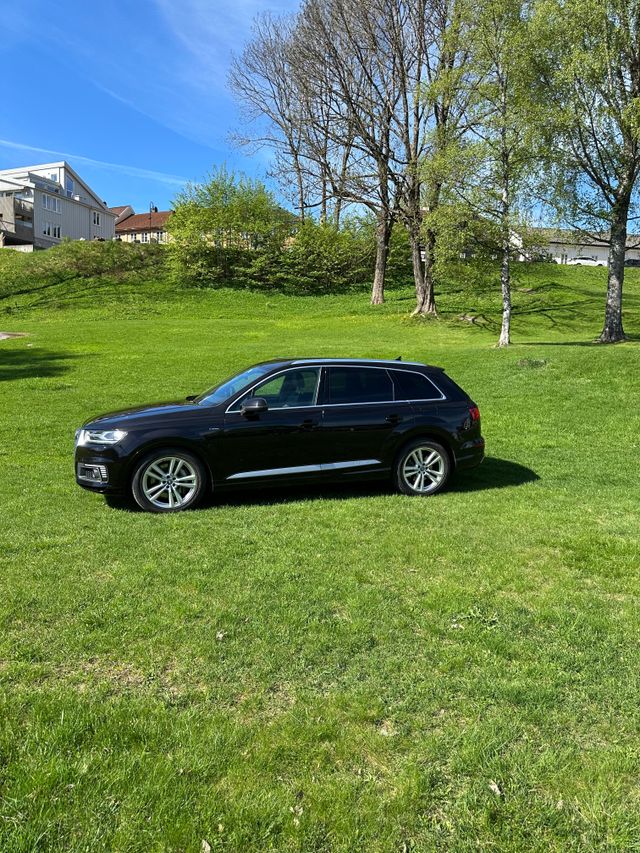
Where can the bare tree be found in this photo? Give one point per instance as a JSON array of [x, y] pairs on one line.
[[360, 94], [261, 79], [395, 72], [352, 97]]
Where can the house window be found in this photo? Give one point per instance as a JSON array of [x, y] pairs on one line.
[[160, 236], [97, 219], [51, 203], [69, 186], [144, 237], [49, 229]]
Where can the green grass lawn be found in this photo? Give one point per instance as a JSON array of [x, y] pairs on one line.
[[347, 670]]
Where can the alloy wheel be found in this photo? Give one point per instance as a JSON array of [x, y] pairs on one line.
[[424, 469], [169, 482]]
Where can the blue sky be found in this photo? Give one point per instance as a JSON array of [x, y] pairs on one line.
[[131, 92]]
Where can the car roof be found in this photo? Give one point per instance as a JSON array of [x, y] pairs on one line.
[[357, 361]]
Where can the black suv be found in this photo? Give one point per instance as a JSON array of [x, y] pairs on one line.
[[287, 421]]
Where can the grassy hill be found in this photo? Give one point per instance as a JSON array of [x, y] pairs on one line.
[[342, 670]]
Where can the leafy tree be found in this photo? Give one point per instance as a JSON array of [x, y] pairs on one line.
[[218, 221], [502, 133], [488, 170], [446, 89], [589, 62]]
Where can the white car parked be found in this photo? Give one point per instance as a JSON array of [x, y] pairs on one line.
[[585, 262]]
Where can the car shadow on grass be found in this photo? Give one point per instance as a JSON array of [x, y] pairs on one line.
[[32, 363], [492, 474]]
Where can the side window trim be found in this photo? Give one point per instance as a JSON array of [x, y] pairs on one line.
[[321, 392], [389, 372], [231, 410]]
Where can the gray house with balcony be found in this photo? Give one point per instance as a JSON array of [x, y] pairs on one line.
[[41, 205]]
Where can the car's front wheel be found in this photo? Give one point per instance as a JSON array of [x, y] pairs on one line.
[[168, 481], [422, 468]]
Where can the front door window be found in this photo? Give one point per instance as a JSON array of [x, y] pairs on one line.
[[292, 389]]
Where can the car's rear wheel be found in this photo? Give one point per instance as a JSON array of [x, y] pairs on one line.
[[168, 481], [422, 468]]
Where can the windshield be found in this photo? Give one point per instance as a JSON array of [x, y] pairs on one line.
[[231, 386]]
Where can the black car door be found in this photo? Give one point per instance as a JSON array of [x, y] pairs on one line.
[[360, 417], [282, 443]]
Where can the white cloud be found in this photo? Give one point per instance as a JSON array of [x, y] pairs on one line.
[[210, 31], [130, 171]]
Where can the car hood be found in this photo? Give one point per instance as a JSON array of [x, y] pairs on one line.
[[135, 413]]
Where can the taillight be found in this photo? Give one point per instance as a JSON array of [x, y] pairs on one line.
[[474, 411]]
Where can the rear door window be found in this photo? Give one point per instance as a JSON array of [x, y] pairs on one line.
[[358, 385]]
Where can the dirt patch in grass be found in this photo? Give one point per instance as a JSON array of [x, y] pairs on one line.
[[117, 677]]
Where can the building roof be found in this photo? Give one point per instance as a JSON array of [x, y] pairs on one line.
[[143, 222], [583, 238], [118, 210], [27, 174]]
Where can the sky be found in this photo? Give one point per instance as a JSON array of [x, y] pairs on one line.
[[132, 93]]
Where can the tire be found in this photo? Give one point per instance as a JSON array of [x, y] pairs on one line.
[[422, 468], [169, 480]]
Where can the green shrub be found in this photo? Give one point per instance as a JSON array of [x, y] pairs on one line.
[[219, 224], [201, 264], [319, 259]]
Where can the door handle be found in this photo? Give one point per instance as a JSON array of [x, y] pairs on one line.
[[309, 423], [393, 419]]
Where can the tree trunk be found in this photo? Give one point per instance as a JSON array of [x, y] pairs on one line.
[[383, 235], [505, 283], [612, 331], [505, 269], [323, 201], [423, 274], [337, 212], [300, 183], [505, 218]]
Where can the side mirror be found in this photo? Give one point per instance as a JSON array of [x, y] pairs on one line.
[[254, 406], [191, 398]]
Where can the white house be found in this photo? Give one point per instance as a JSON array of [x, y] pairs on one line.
[[40, 205], [563, 245]]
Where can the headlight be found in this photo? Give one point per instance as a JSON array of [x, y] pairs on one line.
[[100, 436]]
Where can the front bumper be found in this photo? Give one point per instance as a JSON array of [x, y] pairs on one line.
[[100, 469]]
